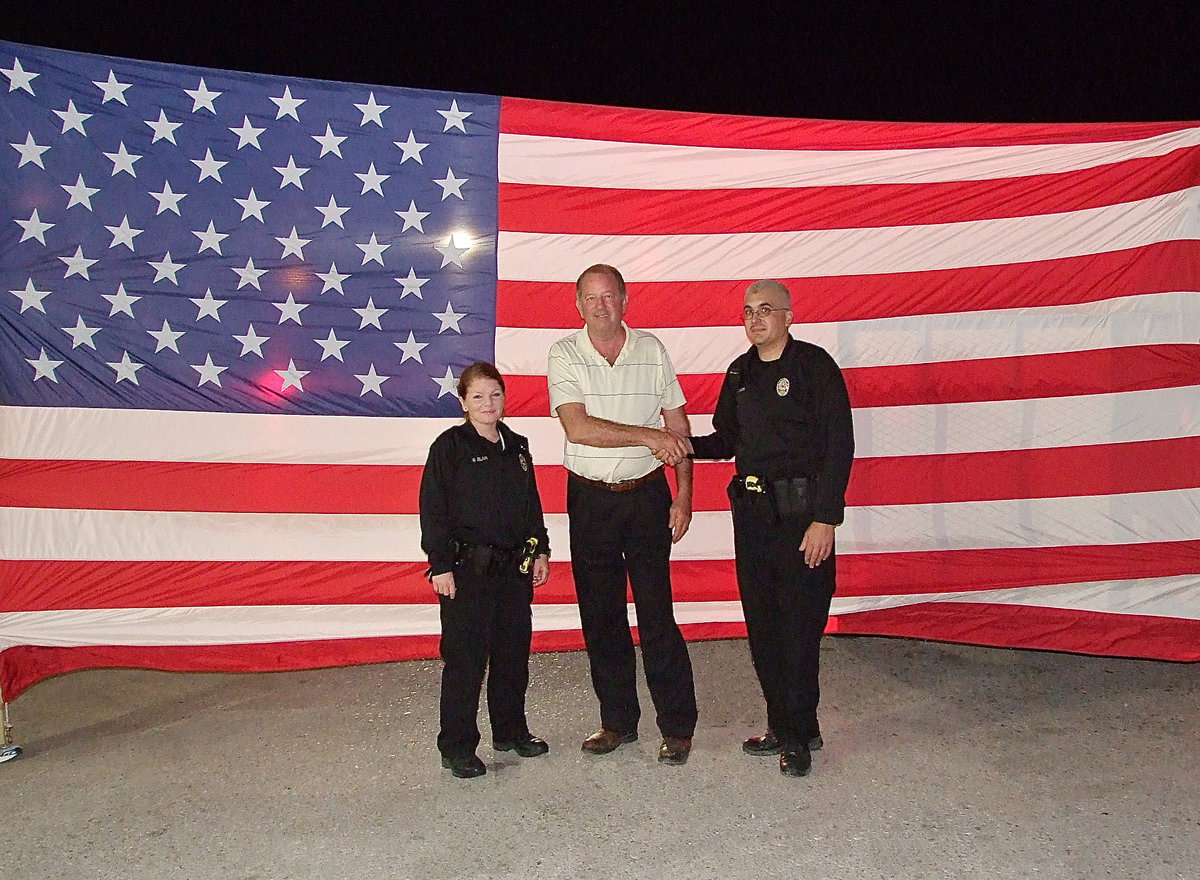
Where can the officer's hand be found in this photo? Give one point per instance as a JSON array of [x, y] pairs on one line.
[[667, 446], [817, 544], [443, 584], [680, 518], [541, 570]]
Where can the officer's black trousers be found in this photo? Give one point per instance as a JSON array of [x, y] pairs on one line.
[[786, 605], [619, 538], [486, 626]]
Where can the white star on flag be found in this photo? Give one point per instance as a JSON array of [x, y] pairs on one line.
[[248, 134], [18, 77], [81, 334], [124, 233], [293, 244], [291, 376], [290, 310], [114, 90], [34, 227], [454, 117], [166, 338], [412, 284], [287, 104], [330, 142], [209, 307], [166, 268], [80, 193], [209, 372], [371, 381], [451, 185], [121, 301], [332, 213], [331, 346], [372, 112], [291, 173], [123, 160], [249, 275], [411, 348], [168, 200], [163, 128], [410, 149], [449, 319], [72, 119], [372, 250], [333, 279], [44, 367], [30, 152], [447, 384], [78, 264], [412, 217], [203, 97], [210, 167], [126, 368], [252, 206], [251, 342], [371, 180], [451, 253], [31, 297], [370, 315], [210, 239]]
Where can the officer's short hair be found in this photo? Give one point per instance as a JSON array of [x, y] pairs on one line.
[[769, 285], [600, 269], [478, 370]]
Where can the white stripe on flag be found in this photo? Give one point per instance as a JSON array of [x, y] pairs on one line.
[[258, 624], [1147, 319], [37, 433], [551, 161], [44, 533], [536, 256]]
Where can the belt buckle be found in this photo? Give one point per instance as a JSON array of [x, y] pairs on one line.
[[754, 484]]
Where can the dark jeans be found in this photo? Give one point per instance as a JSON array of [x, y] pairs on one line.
[[486, 626], [619, 538], [786, 606]]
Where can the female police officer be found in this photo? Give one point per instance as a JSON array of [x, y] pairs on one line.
[[482, 529]]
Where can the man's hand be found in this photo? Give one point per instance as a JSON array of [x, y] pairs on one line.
[[680, 518], [668, 446], [817, 544], [443, 584], [541, 570]]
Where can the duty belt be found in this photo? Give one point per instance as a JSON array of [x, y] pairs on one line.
[[487, 559], [788, 496]]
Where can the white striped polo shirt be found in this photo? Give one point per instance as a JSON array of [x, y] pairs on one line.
[[634, 390]]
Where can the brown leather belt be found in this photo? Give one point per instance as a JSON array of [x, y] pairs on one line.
[[623, 485]]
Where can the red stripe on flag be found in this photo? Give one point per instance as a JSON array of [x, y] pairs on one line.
[[1147, 466], [1156, 268], [594, 122], [1023, 626], [592, 211]]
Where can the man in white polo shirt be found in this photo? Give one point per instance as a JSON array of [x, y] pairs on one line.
[[613, 388]]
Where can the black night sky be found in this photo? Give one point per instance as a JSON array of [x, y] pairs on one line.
[[1051, 63]]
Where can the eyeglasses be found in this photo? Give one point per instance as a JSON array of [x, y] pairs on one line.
[[749, 314]]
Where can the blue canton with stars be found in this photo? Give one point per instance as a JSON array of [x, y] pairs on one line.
[[192, 239]]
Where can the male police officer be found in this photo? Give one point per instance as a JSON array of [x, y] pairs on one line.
[[784, 414]]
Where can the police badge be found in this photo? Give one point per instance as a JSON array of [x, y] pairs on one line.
[[782, 387], [524, 462]]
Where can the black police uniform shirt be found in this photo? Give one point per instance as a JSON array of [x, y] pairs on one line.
[[789, 417], [478, 492]]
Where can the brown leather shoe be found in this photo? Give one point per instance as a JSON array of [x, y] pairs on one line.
[[604, 741], [674, 750]]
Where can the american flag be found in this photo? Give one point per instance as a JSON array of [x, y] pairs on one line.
[[235, 306]]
